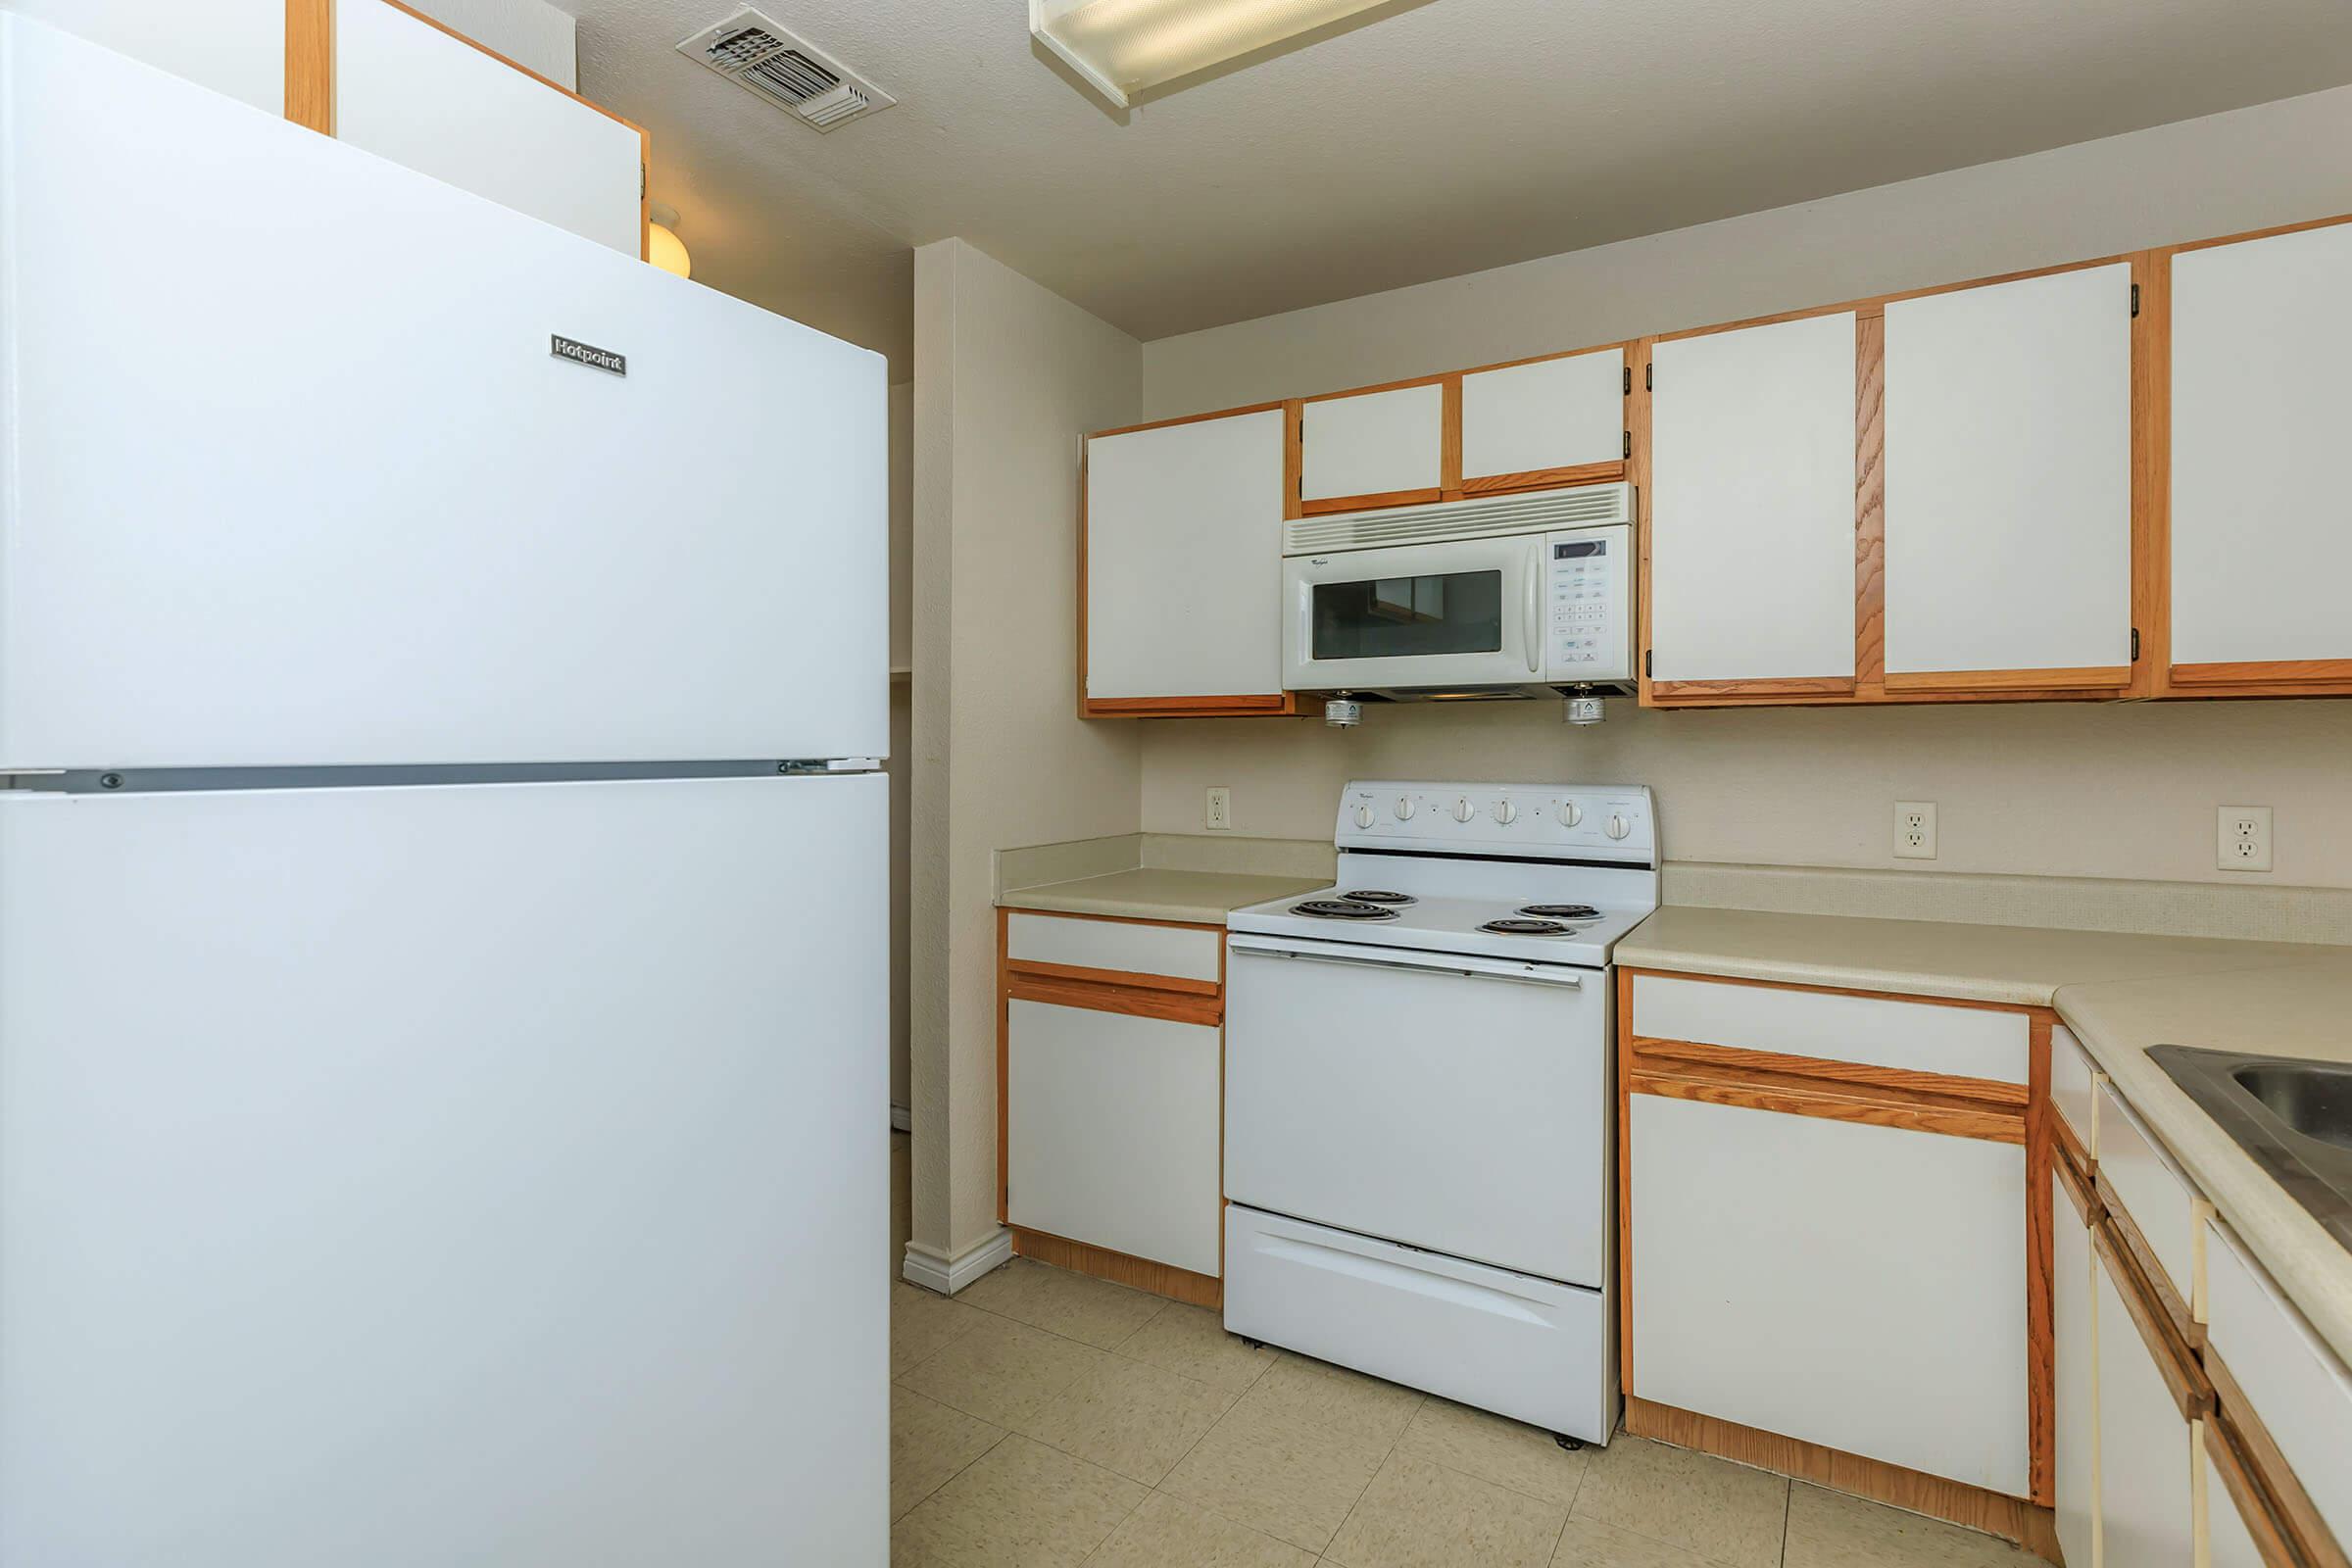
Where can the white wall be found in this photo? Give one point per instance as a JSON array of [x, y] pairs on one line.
[[2114, 790], [1007, 376]]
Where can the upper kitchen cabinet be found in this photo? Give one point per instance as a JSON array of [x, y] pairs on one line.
[[2261, 524], [1386, 447], [392, 80], [2007, 521], [1182, 537], [1752, 521], [1546, 422]]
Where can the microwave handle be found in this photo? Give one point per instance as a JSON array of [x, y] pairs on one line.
[[1533, 607]]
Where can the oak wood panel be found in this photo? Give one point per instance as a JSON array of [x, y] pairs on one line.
[[1036, 969], [2077, 1189], [1543, 479], [1625, 1181], [2069, 1156], [1371, 502], [2285, 676], [2152, 472], [2010, 1518], [2009, 680], [1120, 1268], [2184, 1379], [1277, 704], [2161, 1290], [1294, 459], [1805, 687], [1637, 472], [1132, 1002], [1004, 1067], [1449, 438], [2041, 1333], [1991, 1126], [2292, 1506], [2252, 1499], [311, 64], [1870, 504], [1775, 1069]]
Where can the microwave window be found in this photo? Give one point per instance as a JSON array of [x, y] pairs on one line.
[[1403, 618]]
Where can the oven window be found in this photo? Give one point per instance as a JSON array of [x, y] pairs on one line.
[[1402, 618]]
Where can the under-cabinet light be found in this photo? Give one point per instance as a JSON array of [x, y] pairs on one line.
[[1125, 46]]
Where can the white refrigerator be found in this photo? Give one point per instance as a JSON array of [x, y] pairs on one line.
[[442, 872]]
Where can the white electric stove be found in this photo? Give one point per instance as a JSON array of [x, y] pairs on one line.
[[1419, 1095]]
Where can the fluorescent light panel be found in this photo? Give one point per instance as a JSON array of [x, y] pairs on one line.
[[1125, 46]]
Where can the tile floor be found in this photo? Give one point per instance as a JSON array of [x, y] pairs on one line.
[[1044, 1418]]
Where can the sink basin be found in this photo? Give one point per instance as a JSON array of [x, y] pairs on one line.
[[2292, 1117]]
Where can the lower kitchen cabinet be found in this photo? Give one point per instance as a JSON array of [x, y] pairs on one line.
[[2073, 1331], [1111, 1131], [1779, 1282], [2149, 1411]]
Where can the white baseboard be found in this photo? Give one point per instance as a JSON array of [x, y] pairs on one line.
[[936, 1271], [902, 1120]]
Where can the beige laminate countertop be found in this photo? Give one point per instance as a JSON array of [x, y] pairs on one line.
[[1160, 893], [2120, 993]]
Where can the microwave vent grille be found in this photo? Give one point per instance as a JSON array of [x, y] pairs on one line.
[[1538, 512]]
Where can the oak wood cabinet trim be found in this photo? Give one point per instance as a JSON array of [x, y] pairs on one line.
[[1126, 979], [1906, 1115], [2285, 677], [2152, 472], [1273, 704], [1818, 1074], [2075, 1165], [1800, 687], [2159, 1283], [2252, 1499], [2041, 1265], [1136, 1001], [2284, 1498], [1870, 506], [311, 84], [2116, 676], [2176, 1362], [2029, 1524], [1120, 1268], [1495, 485], [1371, 502]]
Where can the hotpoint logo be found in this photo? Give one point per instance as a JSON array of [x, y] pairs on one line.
[[588, 354]]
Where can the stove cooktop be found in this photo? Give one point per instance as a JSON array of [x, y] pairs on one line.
[[1477, 923]]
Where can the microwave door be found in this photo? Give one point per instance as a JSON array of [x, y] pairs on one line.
[[1413, 616]]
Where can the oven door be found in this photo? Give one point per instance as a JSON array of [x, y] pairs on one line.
[[1456, 1105], [1468, 613]]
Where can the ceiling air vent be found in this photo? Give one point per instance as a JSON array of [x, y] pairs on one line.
[[759, 57]]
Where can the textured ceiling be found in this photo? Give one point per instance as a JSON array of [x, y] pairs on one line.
[[1437, 137]]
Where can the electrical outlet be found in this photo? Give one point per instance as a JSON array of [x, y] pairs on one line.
[[1915, 830], [1216, 814], [2243, 839]]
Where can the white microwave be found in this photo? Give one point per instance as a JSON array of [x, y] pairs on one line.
[[1510, 594]]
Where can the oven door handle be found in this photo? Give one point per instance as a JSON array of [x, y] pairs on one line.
[[1245, 947], [1533, 609]]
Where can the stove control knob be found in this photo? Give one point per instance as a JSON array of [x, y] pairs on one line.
[[1363, 816], [1404, 807], [1503, 812], [1619, 828], [1570, 813], [1464, 811]]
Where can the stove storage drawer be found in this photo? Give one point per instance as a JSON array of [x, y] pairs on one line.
[[1528, 1349]]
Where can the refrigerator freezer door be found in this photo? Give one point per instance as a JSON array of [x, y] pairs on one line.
[[297, 478], [470, 1176]]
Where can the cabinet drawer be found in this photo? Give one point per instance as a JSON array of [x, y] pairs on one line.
[[1915, 1036], [2074, 1081], [1116, 947], [1111, 1131], [2154, 1194], [2298, 1389]]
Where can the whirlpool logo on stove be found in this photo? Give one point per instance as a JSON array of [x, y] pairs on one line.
[[588, 354]]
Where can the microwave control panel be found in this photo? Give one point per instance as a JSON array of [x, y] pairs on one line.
[[1588, 597]]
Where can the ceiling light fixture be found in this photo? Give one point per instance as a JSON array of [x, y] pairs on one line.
[[662, 247], [1126, 46]]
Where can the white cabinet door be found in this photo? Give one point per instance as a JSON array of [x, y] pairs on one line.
[[2009, 479], [1532, 420], [1111, 1131], [2261, 516], [1184, 559], [1373, 444], [409, 91], [1752, 517], [2074, 1324], [1779, 1281], [2147, 1454]]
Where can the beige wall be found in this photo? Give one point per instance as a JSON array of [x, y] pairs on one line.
[[2115, 791], [1007, 378]]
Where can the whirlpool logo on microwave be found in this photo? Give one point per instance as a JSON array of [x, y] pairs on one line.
[[588, 354]]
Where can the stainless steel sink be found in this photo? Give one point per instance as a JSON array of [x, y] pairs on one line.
[[2293, 1117]]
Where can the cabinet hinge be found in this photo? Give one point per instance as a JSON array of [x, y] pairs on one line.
[[1629, 443], [643, 183], [2136, 301], [2136, 645], [1649, 661], [1629, 381], [1649, 378]]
